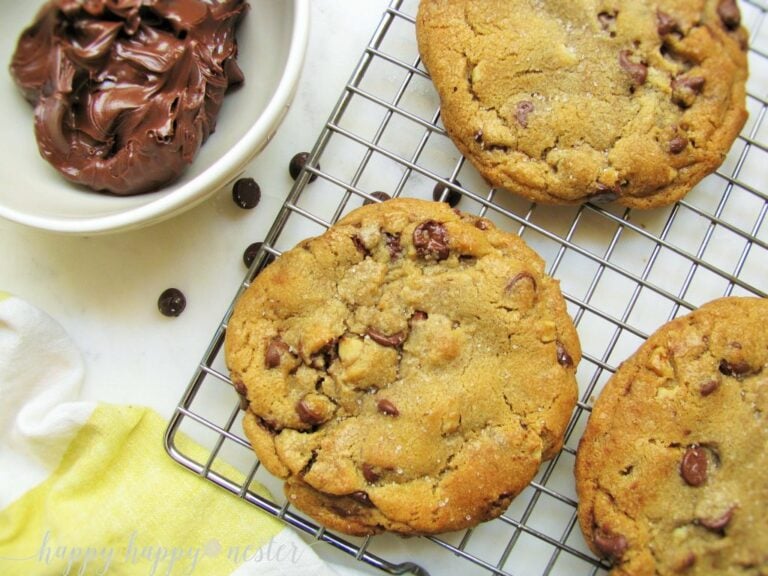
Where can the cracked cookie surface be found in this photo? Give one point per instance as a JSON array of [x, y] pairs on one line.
[[671, 470], [408, 370], [565, 101]]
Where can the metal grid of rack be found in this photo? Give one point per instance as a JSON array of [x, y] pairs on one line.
[[623, 272]]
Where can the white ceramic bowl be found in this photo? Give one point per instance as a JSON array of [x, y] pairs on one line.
[[272, 44]]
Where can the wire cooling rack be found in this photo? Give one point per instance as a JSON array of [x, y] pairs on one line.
[[623, 272]]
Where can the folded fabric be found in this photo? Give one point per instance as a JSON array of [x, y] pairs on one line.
[[86, 488]]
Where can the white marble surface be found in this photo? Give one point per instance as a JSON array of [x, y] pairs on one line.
[[104, 289]]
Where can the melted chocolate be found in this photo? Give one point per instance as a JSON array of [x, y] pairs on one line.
[[126, 91]]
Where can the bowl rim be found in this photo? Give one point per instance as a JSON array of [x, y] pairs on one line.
[[224, 170]]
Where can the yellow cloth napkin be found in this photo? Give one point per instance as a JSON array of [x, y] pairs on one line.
[[87, 488]]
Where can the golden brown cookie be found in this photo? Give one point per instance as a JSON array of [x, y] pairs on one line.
[[408, 370], [672, 471], [565, 101]]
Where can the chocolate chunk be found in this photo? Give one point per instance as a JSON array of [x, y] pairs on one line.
[[361, 497], [666, 24], [370, 474], [479, 137], [693, 83], [735, 369], [419, 316], [393, 245], [636, 70], [678, 144], [610, 545], [249, 255], [693, 467], [718, 524], [441, 193], [729, 13], [685, 89], [275, 349], [387, 408], [297, 165], [307, 414], [171, 302], [430, 238], [379, 195], [269, 425], [605, 194], [482, 224], [519, 277], [685, 563], [242, 393], [358, 242], [246, 193], [563, 358], [522, 111], [390, 340], [708, 387]]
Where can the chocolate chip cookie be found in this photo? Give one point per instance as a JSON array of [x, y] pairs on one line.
[[408, 370], [672, 471], [566, 101]]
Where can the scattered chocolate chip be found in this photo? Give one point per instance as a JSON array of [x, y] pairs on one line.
[[678, 144], [379, 195], [729, 13], [307, 414], [482, 224], [735, 369], [563, 358], [387, 408], [636, 70], [419, 316], [361, 497], [370, 474], [693, 466], [479, 137], [275, 349], [392, 340], [249, 255], [171, 302], [708, 387], [520, 276], [441, 193], [610, 545], [246, 193], [297, 165], [718, 524], [430, 239], [393, 245], [666, 24], [522, 111]]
